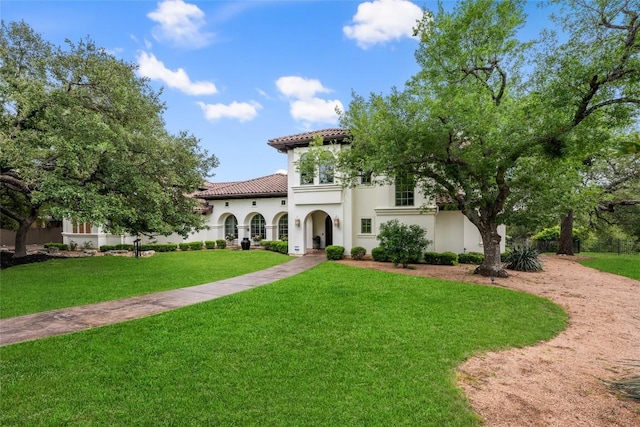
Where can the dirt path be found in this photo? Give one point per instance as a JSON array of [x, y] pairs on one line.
[[559, 382]]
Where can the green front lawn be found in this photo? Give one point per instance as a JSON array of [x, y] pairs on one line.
[[333, 346], [70, 282], [627, 265]]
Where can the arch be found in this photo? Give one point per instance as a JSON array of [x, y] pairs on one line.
[[258, 226], [231, 226], [283, 227]]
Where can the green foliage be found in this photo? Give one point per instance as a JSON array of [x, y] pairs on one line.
[[221, 243], [486, 109], [402, 243], [334, 252], [157, 247], [524, 259], [380, 254], [124, 247], [210, 244], [553, 233], [627, 265], [441, 258], [471, 258], [358, 253], [83, 138], [61, 246], [276, 246]]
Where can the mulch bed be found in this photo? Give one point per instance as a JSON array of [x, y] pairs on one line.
[[7, 260]]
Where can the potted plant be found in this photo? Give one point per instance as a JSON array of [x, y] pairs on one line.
[[256, 240], [316, 242]]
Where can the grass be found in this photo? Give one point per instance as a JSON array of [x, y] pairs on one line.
[[70, 282], [333, 346], [627, 265]]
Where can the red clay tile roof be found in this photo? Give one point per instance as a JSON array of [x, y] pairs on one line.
[[275, 185], [303, 139]]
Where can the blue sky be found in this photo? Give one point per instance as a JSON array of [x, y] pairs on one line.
[[238, 73]]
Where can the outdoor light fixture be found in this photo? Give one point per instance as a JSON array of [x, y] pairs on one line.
[[297, 222], [336, 221]]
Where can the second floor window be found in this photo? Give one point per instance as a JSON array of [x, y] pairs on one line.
[[405, 188]]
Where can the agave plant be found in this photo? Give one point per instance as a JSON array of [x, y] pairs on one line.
[[524, 259]]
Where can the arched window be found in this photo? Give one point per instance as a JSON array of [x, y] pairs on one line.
[[231, 227], [306, 168], [283, 227], [258, 227], [325, 167]]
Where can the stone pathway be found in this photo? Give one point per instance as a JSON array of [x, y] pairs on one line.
[[57, 322]]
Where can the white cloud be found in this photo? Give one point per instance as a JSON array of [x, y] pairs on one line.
[[379, 21], [282, 171], [242, 111], [151, 67], [315, 110], [180, 23], [304, 106], [299, 87]]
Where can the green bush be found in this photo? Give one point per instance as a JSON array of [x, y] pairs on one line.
[[334, 252], [106, 248], [403, 243], [524, 259], [209, 244], [61, 246], [221, 243], [471, 258], [504, 255], [379, 254], [267, 244], [441, 258], [123, 247], [159, 247], [358, 253], [282, 247]]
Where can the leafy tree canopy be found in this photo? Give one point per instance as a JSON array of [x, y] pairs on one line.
[[485, 102], [83, 138]]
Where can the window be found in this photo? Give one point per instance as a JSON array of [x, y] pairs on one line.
[[404, 191], [226, 204], [325, 168], [258, 227], [365, 226], [283, 227], [365, 177], [82, 228], [306, 170], [283, 202], [253, 203], [231, 227]]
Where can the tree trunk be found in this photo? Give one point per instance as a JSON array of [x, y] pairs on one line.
[[492, 264], [565, 246], [21, 236]]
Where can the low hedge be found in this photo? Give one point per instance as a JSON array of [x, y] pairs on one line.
[[276, 246], [379, 254], [441, 258], [471, 258], [334, 252], [221, 243], [190, 246], [358, 253], [210, 244], [61, 246], [159, 247]]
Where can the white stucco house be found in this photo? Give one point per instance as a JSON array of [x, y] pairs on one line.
[[305, 204]]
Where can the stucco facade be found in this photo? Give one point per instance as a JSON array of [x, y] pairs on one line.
[[307, 204]]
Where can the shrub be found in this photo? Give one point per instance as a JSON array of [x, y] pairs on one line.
[[379, 254], [524, 259], [471, 258], [209, 244], [159, 247], [282, 247], [504, 255], [123, 247], [358, 253], [441, 258], [221, 243], [61, 246], [334, 252], [267, 244], [106, 248], [403, 243]]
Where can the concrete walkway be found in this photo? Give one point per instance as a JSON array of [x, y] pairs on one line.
[[63, 321]]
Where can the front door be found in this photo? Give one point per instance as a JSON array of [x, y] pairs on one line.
[[328, 231]]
